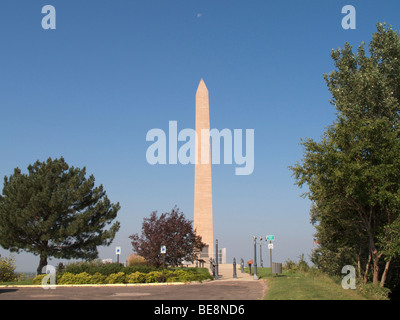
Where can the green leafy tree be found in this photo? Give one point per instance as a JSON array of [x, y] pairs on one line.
[[54, 210], [390, 240], [353, 173]]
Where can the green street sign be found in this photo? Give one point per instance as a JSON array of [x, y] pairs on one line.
[[270, 238]]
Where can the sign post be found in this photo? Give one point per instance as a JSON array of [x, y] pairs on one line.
[[117, 252], [163, 251], [270, 238]]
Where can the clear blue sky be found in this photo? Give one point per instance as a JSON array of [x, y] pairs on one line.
[[112, 70]]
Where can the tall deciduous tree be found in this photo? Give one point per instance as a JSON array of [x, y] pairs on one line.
[[174, 231], [353, 173], [54, 210]]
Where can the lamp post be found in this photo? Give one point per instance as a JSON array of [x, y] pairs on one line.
[[216, 259], [261, 261], [255, 259]]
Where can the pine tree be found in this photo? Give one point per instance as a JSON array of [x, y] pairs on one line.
[[55, 211]]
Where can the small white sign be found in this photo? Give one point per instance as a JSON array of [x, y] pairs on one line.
[[270, 246], [163, 249], [117, 250]]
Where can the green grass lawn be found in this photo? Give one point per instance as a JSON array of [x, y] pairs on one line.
[[304, 286]]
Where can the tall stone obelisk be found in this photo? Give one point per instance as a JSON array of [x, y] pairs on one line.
[[203, 217]]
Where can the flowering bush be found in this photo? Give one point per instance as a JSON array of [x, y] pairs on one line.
[[69, 278], [38, 279], [7, 270], [116, 278], [153, 276], [98, 278], [135, 277]]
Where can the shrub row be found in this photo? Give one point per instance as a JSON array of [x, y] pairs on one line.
[[97, 266], [135, 277], [300, 266]]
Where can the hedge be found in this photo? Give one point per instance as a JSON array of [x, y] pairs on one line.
[[97, 266], [184, 275]]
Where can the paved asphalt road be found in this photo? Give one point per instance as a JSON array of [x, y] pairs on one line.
[[214, 290]]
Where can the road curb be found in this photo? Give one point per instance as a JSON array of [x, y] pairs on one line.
[[107, 284]]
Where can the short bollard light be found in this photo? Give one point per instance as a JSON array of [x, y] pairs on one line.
[[234, 268], [249, 263], [242, 265]]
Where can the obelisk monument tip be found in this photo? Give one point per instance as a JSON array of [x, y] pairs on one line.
[[202, 86]]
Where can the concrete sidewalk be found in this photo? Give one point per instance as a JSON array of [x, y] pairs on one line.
[[225, 272], [225, 276]]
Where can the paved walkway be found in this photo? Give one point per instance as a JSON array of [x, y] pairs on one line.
[[225, 272], [213, 290], [227, 288]]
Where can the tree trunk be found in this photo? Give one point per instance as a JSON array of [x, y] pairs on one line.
[[42, 263], [367, 268], [359, 264], [375, 279], [385, 272], [373, 252]]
